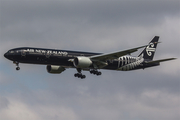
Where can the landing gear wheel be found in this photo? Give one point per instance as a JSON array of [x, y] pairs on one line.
[[83, 76], [98, 73], [75, 75], [17, 68], [95, 72], [79, 75]]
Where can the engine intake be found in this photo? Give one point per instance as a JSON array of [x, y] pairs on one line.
[[82, 62], [55, 69]]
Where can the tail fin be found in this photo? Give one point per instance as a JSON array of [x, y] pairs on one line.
[[149, 51]]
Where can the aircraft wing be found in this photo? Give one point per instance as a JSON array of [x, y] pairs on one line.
[[161, 60], [114, 55]]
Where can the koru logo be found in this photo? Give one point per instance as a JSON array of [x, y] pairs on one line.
[[150, 48]]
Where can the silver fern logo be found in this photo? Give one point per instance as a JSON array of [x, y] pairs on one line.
[[150, 48]]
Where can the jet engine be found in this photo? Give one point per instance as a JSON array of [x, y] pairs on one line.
[[55, 69], [82, 62]]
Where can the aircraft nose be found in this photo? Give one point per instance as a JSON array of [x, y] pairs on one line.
[[6, 55], [9, 55]]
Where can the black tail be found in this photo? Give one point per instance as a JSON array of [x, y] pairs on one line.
[[149, 51]]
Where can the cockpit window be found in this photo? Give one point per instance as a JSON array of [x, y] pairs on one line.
[[11, 51]]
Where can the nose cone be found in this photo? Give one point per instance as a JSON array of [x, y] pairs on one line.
[[9, 56], [6, 55]]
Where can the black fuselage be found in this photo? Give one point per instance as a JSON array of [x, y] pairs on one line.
[[49, 56], [64, 58]]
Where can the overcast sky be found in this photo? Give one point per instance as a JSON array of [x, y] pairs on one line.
[[93, 26]]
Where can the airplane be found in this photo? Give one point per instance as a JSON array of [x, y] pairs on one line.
[[58, 60]]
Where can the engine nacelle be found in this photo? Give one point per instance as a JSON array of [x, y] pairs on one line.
[[82, 62], [55, 69]]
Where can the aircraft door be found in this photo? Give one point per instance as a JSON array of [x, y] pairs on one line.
[[23, 53]]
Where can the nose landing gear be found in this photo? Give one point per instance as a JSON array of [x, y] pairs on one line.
[[17, 65]]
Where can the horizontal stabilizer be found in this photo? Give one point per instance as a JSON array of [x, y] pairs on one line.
[[162, 60]]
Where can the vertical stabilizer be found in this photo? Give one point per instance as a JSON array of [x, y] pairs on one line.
[[149, 51]]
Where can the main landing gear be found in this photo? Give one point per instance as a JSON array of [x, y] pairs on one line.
[[17, 65], [95, 72], [79, 74]]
